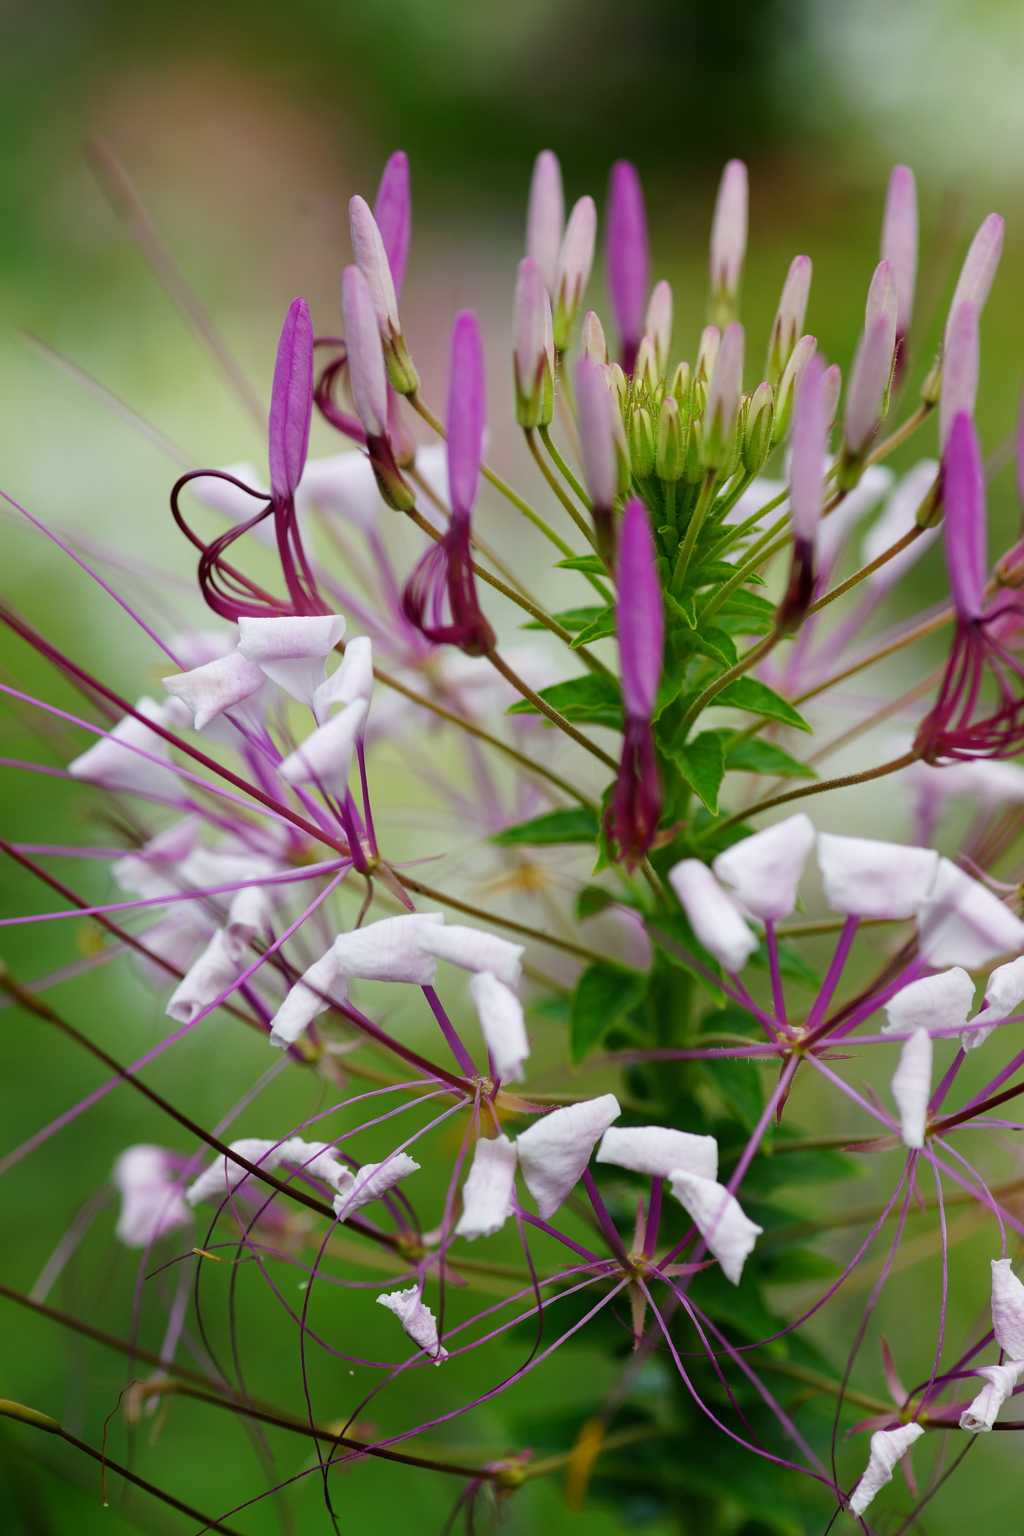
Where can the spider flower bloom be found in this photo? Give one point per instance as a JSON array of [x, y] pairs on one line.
[[487, 1192], [392, 212], [888, 1447], [554, 1152], [445, 573], [789, 318], [1000, 1381], [534, 354], [627, 257], [806, 490], [417, 1320], [868, 394], [370, 386], [372, 260], [961, 724], [636, 804], [151, 1202], [598, 448], [545, 216], [713, 915], [728, 242], [575, 259], [899, 243]]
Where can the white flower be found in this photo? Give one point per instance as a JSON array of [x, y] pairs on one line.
[[934, 1002], [318, 1158], [714, 916], [353, 679], [554, 1151], [719, 1218], [1003, 995], [209, 690], [912, 1086], [223, 1176], [887, 1448], [417, 1320], [501, 1020], [1000, 1381], [311, 995], [214, 973], [248, 915], [324, 758], [1007, 1309], [763, 871], [487, 1192], [373, 1180], [865, 878], [113, 763], [388, 950], [292, 652], [151, 1204], [963, 923], [474, 950], [658, 1150]]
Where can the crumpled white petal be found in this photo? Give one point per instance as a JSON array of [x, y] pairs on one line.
[[659, 1150], [248, 915], [151, 1204], [209, 690], [417, 1320], [224, 1176], [713, 915], [388, 950], [1003, 996], [553, 1152], [934, 1002], [373, 1180], [213, 973], [963, 923], [292, 651], [325, 757], [912, 1087], [112, 763], [866, 878], [152, 870], [175, 938], [501, 1020], [475, 950], [1007, 1309], [319, 1158], [720, 1220], [1000, 1381], [352, 680], [764, 871], [888, 1446], [306, 1000], [487, 1192]]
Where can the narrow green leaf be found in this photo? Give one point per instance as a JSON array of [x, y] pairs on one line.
[[756, 756], [592, 698], [600, 628], [685, 607], [589, 563], [604, 995], [702, 764], [574, 825], [572, 619], [554, 1007], [758, 699], [714, 642]]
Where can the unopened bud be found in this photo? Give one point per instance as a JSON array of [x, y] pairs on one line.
[[693, 473], [757, 430], [641, 443], [698, 399], [645, 369], [534, 355], [728, 242], [789, 319], [671, 456], [545, 216], [658, 324], [707, 352], [371, 258], [575, 260], [594, 345], [899, 242], [979, 269], [784, 395], [930, 513], [615, 383], [931, 389], [681, 387], [620, 383], [722, 410]]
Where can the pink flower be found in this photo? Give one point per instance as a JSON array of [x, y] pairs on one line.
[[151, 1202]]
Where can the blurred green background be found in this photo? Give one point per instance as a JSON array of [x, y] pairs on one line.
[[247, 125]]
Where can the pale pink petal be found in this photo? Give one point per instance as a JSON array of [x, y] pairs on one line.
[[219, 685], [934, 1002], [417, 1320], [325, 757], [501, 1020], [213, 973], [1007, 1309], [353, 680], [291, 651], [248, 915], [1000, 1381], [912, 1087], [867, 878], [224, 1175], [151, 1204], [659, 1150], [487, 1192], [764, 871], [719, 1218], [372, 1181], [714, 916], [475, 950], [963, 923], [389, 950], [888, 1447], [554, 1151], [113, 763], [307, 999]]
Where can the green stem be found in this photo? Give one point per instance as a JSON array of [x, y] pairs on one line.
[[734, 534], [545, 437], [901, 434], [700, 511], [752, 657], [552, 714], [817, 789], [552, 480], [746, 570]]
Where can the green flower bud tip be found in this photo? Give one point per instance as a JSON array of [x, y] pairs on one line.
[[645, 371], [694, 471], [681, 387], [671, 455], [641, 443], [707, 352], [757, 429]]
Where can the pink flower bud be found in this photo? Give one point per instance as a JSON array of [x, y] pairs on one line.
[[392, 212], [810, 441], [534, 354], [960, 369], [465, 415], [832, 387], [723, 403], [291, 401], [372, 261], [979, 269], [789, 318], [658, 324], [869, 383], [899, 242], [597, 441], [592, 340], [966, 518], [365, 353], [575, 259], [545, 217], [627, 257], [729, 234], [639, 612]]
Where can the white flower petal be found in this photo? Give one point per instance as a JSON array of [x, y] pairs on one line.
[[417, 1320], [888, 1446], [325, 757], [865, 878], [292, 652], [1000, 1381], [963, 923], [713, 915], [896, 521], [175, 938], [372, 1181], [501, 1020], [153, 869], [319, 1158], [151, 1204], [113, 763], [353, 679], [306, 1000], [720, 1220], [1003, 996], [248, 915], [659, 1150], [388, 950], [487, 1192], [912, 1086], [223, 1175], [934, 1002], [1007, 1309], [554, 1151], [475, 950], [764, 871], [209, 690], [213, 973]]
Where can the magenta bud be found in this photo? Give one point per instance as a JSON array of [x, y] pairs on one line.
[[575, 259], [966, 533], [728, 241], [627, 257], [365, 353], [393, 214], [639, 613], [959, 369], [466, 413], [810, 439], [597, 438], [979, 269], [658, 324], [534, 353], [545, 217], [291, 401], [789, 318], [899, 242]]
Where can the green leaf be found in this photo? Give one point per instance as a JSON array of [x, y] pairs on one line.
[[593, 699], [737, 1082], [601, 627], [758, 699], [593, 899], [744, 613], [685, 607], [715, 643], [572, 619], [702, 764], [604, 995], [756, 756], [554, 1007], [573, 825], [589, 563]]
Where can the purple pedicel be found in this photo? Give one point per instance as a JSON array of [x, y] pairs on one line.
[[627, 257], [393, 213]]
